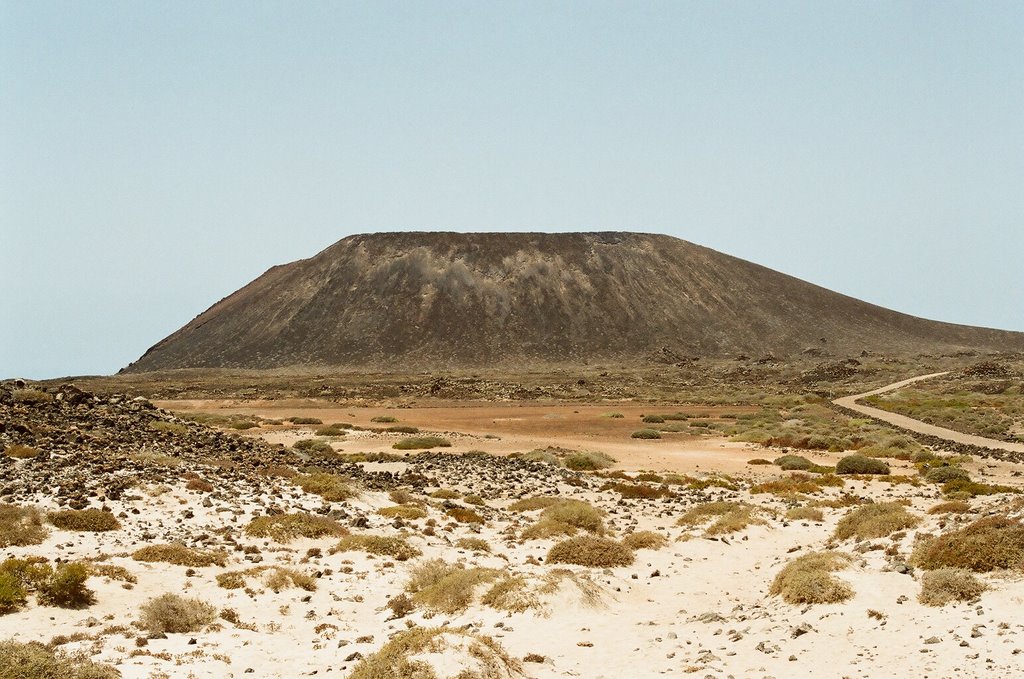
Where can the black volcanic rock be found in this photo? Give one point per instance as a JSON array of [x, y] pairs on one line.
[[398, 301]]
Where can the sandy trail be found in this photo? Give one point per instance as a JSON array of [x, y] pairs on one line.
[[918, 426]]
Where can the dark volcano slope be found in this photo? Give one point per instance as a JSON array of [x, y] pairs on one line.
[[399, 301]]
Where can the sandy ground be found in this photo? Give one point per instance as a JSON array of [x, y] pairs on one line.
[[507, 428], [699, 605]]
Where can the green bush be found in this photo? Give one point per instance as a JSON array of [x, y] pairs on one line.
[[653, 419], [66, 588], [12, 593], [946, 474], [646, 434], [793, 463], [858, 464]]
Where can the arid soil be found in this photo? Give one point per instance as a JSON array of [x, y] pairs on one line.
[[691, 596]]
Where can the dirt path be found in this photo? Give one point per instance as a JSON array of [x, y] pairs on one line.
[[918, 426]]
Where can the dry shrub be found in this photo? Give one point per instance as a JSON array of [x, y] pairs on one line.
[[875, 521], [199, 485], [287, 527], [32, 395], [796, 483], [473, 544], [402, 496], [407, 512], [35, 661], [170, 613], [808, 579], [179, 555], [20, 452], [330, 487], [730, 517], [91, 520], [576, 513], [951, 507], [446, 588], [945, 585], [702, 513], [279, 578], [444, 494], [395, 547], [546, 528], [21, 526], [511, 593], [588, 550], [988, 544], [644, 539], [530, 504], [422, 443], [104, 570], [805, 514], [464, 515], [637, 491], [480, 656], [232, 579], [474, 499]]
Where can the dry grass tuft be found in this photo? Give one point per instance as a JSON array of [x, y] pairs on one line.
[[808, 579], [84, 520], [395, 547], [35, 661], [170, 613], [644, 539], [805, 514], [576, 513], [20, 452], [179, 555], [407, 512], [588, 550], [530, 504], [446, 588], [988, 544], [279, 578], [946, 585], [21, 526], [406, 656], [287, 527], [951, 507], [422, 443], [730, 517], [875, 521], [330, 487], [473, 544], [465, 515]]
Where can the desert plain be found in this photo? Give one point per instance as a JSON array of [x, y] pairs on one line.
[[754, 530]]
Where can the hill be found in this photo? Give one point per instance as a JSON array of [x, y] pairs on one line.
[[451, 300]]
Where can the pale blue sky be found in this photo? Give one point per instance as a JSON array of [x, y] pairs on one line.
[[154, 157]]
